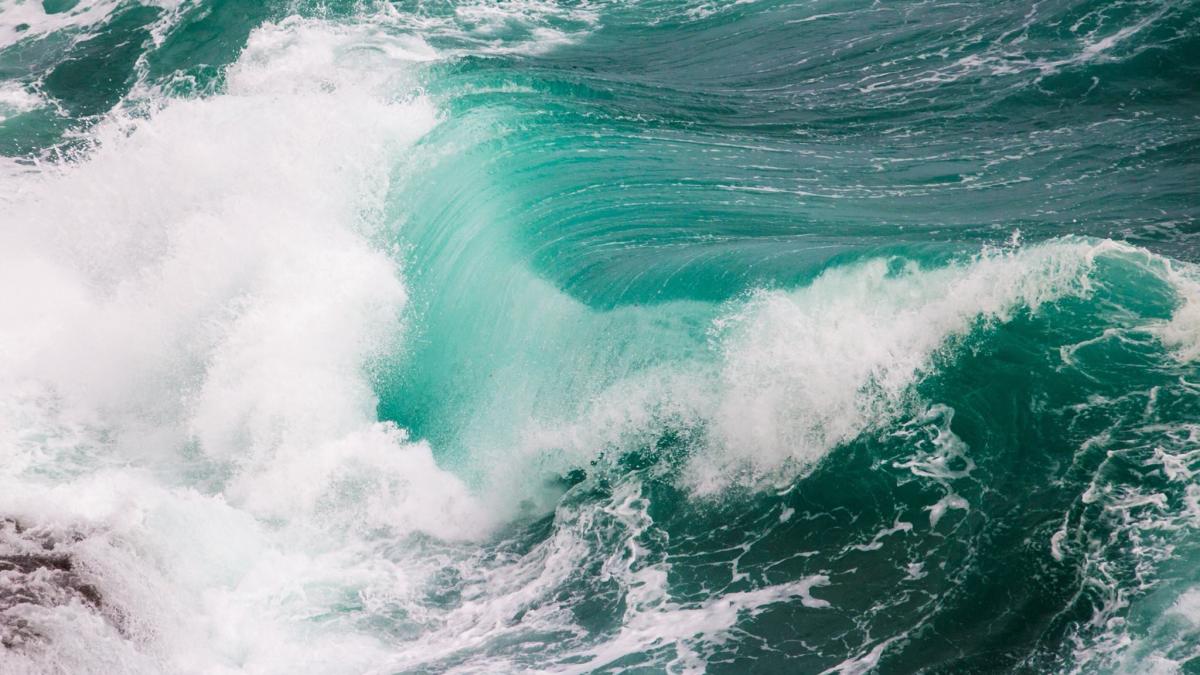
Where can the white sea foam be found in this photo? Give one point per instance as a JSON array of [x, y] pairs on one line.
[[806, 370], [28, 19], [793, 374], [188, 388], [1182, 332], [862, 663], [204, 301], [16, 99]]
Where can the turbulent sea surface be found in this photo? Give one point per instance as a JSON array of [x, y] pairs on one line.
[[503, 336]]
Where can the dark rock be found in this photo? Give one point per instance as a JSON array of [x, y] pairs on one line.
[[39, 568]]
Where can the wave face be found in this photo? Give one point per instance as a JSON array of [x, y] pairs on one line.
[[536, 336]]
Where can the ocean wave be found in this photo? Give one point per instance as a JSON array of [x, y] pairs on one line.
[[573, 337]]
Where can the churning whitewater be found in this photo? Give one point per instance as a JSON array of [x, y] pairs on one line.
[[573, 336]]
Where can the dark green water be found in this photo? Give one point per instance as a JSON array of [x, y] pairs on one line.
[[532, 336]]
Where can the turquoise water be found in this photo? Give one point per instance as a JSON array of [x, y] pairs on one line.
[[533, 336]]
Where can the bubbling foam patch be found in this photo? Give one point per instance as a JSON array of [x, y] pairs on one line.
[[23, 20], [805, 371], [217, 255], [16, 99], [194, 363]]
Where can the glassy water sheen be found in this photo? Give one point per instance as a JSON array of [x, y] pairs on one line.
[[491, 336]]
